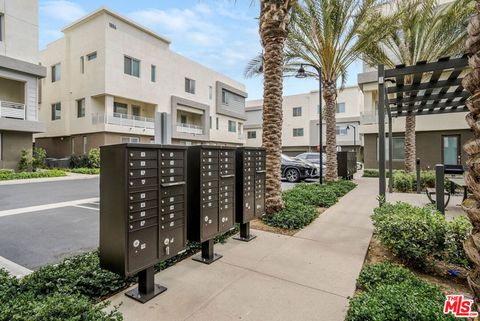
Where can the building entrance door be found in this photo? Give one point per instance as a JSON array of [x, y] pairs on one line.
[[451, 150]]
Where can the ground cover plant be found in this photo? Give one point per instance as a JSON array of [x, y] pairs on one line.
[[6, 175], [85, 170]]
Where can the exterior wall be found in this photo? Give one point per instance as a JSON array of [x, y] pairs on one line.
[[428, 149], [13, 143]]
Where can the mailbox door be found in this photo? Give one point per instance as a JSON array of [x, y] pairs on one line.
[[172, 242], [142, 248], [209, 221]]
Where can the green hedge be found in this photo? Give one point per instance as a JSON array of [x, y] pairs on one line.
[[9, 175], [392, 293], [302, 201], [417, 233], [407, 182], [84, 170]]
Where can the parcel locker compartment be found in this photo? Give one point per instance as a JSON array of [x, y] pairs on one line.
[[142, 205], [172, 154], [209, 220], [140, 164], [142, 248], [143, 195], [172, 242], [260, 206], [209, 153], [209, 175], [143, 214], [142, 182], [209, 198], [166, 226], [167, 192], [172, 163], [135, 225], [210, 184], [139, 173], [171, 216], [209, 191], [227, 181], [226, 219], [173, 199], [142, 154], [172, 171], [209, 160], [172, 179], [172, 208]]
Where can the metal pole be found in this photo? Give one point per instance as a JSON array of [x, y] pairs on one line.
[[320, 125], [440, 188], [418, 176], [381, 131], [390, 154]]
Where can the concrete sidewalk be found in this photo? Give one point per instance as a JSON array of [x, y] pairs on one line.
[[274, 277]]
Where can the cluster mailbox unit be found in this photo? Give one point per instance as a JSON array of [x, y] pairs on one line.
[[211, 196], [142, 210], [250, 192]]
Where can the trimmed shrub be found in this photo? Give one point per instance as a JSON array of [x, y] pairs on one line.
[[310, 194], [6, 175], [26, 160], [79, 161], [295, 215], [38, 159], [86, 171], [94, 158], [456, 232]]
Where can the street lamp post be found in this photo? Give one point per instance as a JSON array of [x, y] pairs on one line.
[[302, 74], [354, 137]]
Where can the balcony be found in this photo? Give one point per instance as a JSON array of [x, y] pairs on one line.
[[370, 118], [189, 129], [12, 110], [124, 120]]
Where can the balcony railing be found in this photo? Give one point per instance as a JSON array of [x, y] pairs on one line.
[[189, 129], [12, 110], [123, 120], [370, 118]]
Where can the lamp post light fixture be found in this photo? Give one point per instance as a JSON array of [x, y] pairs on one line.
[[354, 137], [301, 73]]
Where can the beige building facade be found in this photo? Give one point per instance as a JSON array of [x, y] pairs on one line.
[[300, 132], [19, 74], [108, 77]]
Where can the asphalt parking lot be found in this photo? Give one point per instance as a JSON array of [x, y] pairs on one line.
[[42, 223]]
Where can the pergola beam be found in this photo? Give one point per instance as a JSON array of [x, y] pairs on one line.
[[427, 67]]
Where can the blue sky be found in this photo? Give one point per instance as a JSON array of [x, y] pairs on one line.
[[221, 34]]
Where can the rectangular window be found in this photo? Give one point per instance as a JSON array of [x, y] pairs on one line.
[[398, 144], [1, 30], [251, 134], [183, 119], [92, 56], [136, 110], [81, 108], [154, 73], [341, 130], [119, 108], [224, 97], [131, 140], [73, 146], [232, 126], [297, 111], [297, 132], [56, 111], [56, 72], [210, 122], [210, 92], [189, 85], [340, 108], [131, 66], [218, 125], [82, 64], [84, 144]]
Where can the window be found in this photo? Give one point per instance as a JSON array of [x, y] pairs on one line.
[[224, 97], [232, 126], [398, 144], [73, 146], [119, 108], [136, 110], [189, 85], [1, 32], [297, 132], [132, 140], [183, 119], [56, 111], [210, 92], [82, 64], [340, 108], [131, 66], [81, 108], [112, 25], [297, 111], [56, 72], [218, 125], [210, 120], [92, 56], [251, 134], [84, 144], [153, 73], [341, 130]]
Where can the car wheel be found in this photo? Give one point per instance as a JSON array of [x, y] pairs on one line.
[[292, 175]]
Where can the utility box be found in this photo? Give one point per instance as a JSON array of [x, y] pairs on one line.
[[346, 164], [211, 196], [142, 210], [250, 188]]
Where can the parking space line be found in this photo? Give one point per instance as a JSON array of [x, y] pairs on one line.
[[13, 268], [37, 208], [86, 207]]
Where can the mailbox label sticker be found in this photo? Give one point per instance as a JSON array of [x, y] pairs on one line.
[[142, 172], [172, 170], [142, 163], [142, 223], [172, 179], [172, 215], [142, 205], [143, 246], [143, 181], [172, 207], [172, 199], [142, 213], [172, 162], [142, 195], [142, 154]]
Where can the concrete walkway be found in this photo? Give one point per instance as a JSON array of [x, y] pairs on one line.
[[305, 277]]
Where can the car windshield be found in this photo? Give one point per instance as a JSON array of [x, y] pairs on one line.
[[287, 158]]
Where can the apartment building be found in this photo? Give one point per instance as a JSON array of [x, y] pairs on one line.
[[439, 138], [108, 76], [300, 132], [19, 74]]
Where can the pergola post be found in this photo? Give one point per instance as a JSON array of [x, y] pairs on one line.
[[440, 188], [390, 149], [381, 131]]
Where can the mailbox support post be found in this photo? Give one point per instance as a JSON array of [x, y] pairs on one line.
[[208, 255], [419, 190], [440, 188], [147, 289], [245, 235]]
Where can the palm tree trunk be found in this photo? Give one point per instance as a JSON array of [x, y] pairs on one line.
[[471, 82], [330, 97], [274, 17], [410, 144]]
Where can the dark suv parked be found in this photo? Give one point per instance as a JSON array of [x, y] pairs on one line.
[[294, 170]]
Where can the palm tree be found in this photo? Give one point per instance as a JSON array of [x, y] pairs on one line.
[[274, 22], [417, 30]]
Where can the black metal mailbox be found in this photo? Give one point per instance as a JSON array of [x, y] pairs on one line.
[[211, 196], [250, 188], [142, 210]]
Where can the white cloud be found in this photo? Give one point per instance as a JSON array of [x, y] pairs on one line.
[[203, 8], [63, 10]]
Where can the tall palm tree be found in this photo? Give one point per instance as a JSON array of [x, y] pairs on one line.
[[417, 30], [273, 28]]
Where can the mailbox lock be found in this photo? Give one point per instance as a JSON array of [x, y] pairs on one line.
[[136, 243], [206, 218], [166, 241]]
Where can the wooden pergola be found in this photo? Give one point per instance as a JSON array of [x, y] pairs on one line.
[[426, 88]]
